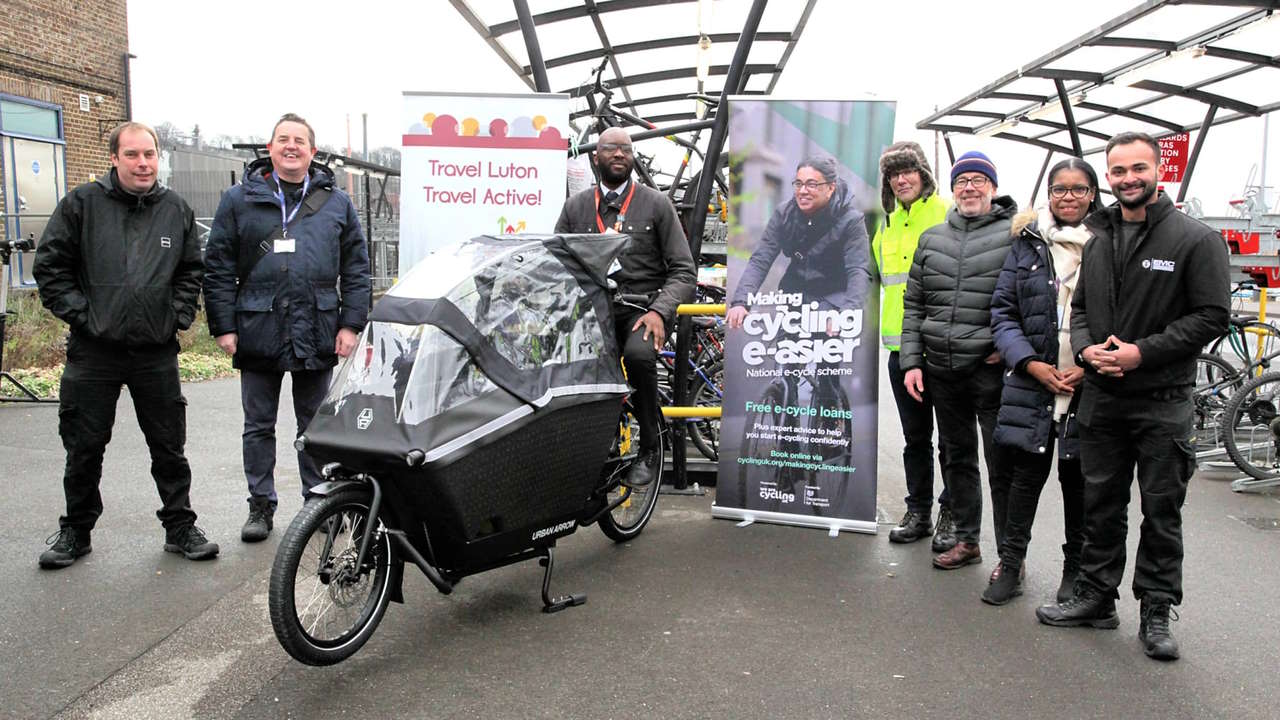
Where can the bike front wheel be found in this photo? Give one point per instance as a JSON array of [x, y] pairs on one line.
[[1253, 419], [323, 606], [634, 506]]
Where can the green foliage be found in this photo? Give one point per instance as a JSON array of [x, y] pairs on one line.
[[35, 349], [33, 337]]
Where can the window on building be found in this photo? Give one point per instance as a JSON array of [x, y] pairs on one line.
[[21, 118]]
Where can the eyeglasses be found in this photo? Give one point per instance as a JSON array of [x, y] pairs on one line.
[[1079, 192], [611, 148], [977, 181], [809, 185]]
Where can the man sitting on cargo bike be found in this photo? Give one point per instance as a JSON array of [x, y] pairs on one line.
[[657, 266]]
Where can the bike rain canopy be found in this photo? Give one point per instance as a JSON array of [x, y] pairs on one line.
[[473, 343]]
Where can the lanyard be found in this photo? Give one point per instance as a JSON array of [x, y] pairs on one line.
[[279, 195], [622, 214]]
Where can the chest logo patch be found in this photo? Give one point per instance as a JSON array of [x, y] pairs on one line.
[[165, 242], [1157, 264]]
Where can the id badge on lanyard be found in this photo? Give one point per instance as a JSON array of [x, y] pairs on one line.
[[286, 244]]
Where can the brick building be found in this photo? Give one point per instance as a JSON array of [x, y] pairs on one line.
[[63, 87]]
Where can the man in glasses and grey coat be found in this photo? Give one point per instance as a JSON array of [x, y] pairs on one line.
[[657, 264]]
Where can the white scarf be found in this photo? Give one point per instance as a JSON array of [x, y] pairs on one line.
[[1066, 247]]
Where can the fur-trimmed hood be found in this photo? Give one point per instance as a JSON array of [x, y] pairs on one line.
[[905, 155]]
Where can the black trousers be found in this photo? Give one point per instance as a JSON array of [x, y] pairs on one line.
[[1027, 473], [88, 394], [917, 434], [641, 361], [1117, 435], [260, 398], [964, 403]]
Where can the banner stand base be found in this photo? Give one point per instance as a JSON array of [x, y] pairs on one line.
[[693, 489], [833, 526]]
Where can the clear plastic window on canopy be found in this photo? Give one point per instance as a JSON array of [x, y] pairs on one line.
[[422, 368], [520, 297], [521, 300]]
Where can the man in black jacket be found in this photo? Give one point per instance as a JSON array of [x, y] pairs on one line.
[[946, 336], [1153, 290], [657, 263], [120, 262]]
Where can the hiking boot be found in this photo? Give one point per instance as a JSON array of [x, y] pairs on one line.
[[258, 526], [1070, 571], [1086, 606], [995, 574], [1005, 587], [190, 541], [944, 533], [66, 545], [958, 556], [1153, 629], [914, 526], [644, 469]]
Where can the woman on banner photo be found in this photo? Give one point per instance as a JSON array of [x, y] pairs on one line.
[[822, 234]]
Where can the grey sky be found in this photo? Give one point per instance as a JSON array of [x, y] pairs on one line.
[[234, 66]]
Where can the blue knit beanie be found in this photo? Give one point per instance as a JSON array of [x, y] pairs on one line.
[[974, 161]]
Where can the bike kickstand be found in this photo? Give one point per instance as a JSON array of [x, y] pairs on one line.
[[550, 604]]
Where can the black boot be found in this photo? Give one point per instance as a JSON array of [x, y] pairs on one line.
[[1087, 606], [944, 533], [68, 544], [1153, 629], [644, 469], [1006, 586], [914, 526], [1070, 571], [258, 526]]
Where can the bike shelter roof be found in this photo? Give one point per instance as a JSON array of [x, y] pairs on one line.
[[1163, 67], [651, 47]]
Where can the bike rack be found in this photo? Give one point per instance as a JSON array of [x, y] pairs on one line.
[[679, 454], [1250, 483]]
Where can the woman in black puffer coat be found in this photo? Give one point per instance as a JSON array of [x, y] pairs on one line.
[[1030, 321]]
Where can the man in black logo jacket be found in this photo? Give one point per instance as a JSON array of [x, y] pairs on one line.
[[1153, 291], [120, 262]]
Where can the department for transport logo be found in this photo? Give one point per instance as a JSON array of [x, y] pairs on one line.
[[1157, 264], [364, 419]]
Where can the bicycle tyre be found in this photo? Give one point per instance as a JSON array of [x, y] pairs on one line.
[[755, 447], [1252, 413], [1253, 334], [1216, 381], [305, 546], [705, 432], [629, 518]]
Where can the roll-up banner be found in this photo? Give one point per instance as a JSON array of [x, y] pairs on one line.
[[479, 165], [798, 432]]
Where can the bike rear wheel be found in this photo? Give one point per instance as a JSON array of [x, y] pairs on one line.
[[1255, 421], [634, 505], [1216, 382], [323, 608]]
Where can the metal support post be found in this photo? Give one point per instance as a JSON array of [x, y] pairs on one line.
[[697, 218], [530, 33], [1040, 178], [1195, 152], [1070, 116]]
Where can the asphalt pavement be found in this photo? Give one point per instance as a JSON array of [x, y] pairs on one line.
[[696, 618]]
